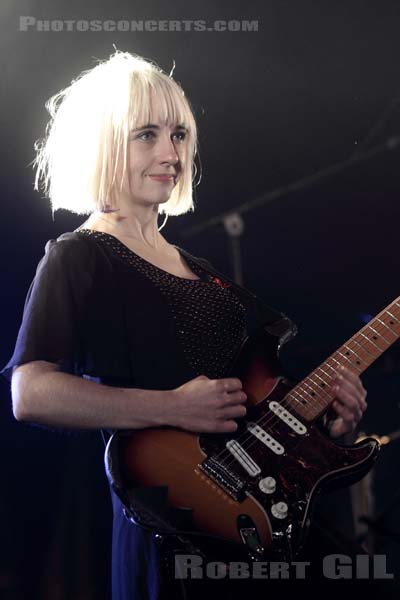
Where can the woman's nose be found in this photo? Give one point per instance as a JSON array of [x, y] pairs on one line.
[[167, 151]]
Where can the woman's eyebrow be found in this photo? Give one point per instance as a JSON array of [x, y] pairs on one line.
[[148, 126], [151, 126]]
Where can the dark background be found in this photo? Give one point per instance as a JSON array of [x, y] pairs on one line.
[[318, 82]]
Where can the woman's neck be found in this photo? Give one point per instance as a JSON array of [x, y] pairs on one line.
[[141, 228]]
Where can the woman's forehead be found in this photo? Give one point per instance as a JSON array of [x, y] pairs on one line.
[[162, 111]]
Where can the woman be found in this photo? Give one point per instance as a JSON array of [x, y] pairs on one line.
[[120, 329]]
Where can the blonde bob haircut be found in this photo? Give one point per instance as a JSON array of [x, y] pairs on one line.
[[78, 163]]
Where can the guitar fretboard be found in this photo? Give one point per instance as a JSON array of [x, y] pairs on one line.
[[312, 396]]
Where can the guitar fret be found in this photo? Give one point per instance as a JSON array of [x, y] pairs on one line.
[[338, 363], [310, 400], [326, 391], [388, 328], [393, 317], [380, 335], [343, 355], [397, 306], [362, 355], [323, 370], [302, 405], [333, 368], [364, 348], [313, 395], [320, 389], [316, 403], [370, 341], [335, 359], [358, 361], [356, 366], [377, 338]]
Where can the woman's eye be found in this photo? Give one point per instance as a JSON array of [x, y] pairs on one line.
[[145, 136], [179, 135]]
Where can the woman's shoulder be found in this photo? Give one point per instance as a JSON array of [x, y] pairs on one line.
[[69, 251], [70, 241], [74, 244]]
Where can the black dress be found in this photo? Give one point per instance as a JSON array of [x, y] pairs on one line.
[[102, 312]]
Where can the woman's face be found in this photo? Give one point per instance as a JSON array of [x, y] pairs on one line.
[[155, 161]]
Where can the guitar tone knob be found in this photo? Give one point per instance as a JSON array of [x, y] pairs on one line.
[[267, 485], [279, 510]]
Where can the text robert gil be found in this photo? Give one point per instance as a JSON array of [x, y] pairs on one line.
[[334, 566]]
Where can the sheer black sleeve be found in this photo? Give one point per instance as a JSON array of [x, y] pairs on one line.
[[55, 305]]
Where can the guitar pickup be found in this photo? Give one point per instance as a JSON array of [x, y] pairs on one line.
[[231, 483]]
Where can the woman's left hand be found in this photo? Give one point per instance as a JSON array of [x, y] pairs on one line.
[[349, 404]]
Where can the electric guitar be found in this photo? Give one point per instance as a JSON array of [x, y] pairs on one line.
[[257, 486]]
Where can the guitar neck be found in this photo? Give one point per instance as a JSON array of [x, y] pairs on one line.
[[312, 396]]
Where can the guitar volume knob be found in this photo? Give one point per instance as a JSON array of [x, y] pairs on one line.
[[279, 510], [267, 485]]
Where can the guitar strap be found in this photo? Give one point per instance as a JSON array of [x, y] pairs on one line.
[[275, 322]]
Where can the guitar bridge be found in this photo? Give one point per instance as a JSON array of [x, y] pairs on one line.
[[231, 483]]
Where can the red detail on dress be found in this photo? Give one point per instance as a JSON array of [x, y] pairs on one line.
[[222, 284]]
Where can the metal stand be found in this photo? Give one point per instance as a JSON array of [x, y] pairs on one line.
[[362, 498], [233, 222], [234, 226]]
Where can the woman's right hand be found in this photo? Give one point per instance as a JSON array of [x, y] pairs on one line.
[[209, 405]]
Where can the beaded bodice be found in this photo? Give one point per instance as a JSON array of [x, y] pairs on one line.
[[209, 317]]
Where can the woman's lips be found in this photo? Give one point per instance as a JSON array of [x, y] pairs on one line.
[[163, 178]]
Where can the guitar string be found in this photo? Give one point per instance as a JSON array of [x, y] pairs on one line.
[[328, 391], [248, 440], [268, 418], [273, 419]]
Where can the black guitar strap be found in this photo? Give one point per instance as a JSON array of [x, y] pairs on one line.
[[275, 322]]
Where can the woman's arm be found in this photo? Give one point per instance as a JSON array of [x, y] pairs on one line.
[[42, 394]]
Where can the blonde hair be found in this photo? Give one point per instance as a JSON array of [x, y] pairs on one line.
[[87, 136]]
